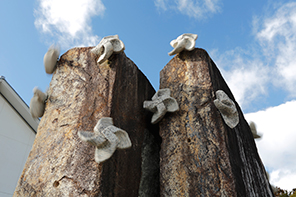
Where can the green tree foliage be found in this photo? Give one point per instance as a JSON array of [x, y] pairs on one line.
[[293, 193], [284, 193]]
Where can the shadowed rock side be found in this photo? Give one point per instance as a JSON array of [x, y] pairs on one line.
[[81, 92], [200, 155]]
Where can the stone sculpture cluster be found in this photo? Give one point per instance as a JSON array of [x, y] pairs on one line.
[[107, 138], [227, 109], [161, 103], [107, 46], [159, 153]]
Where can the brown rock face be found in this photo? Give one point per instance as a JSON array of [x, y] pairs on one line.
[[200, 155], [81, 92]]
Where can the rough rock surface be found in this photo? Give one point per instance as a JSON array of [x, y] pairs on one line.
[[200, 155], [80, 93]]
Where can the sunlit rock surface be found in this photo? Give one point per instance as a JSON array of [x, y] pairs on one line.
[[80, 93], [200, 155]]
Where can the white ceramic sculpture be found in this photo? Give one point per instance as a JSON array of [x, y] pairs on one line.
[[227, 109], [107, 46], [254, 130], [106, 137], [183, 42], [37, 103], [51, 58], [161, 103]]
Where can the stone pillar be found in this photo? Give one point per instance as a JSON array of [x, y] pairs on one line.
[[200, 155], [80, 93]]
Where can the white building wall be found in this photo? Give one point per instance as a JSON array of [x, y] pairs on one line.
[[16, 140]]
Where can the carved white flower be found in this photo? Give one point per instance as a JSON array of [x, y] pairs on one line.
[[227, 108], [183, 42], [106, 137], [37, 103], [51, 58], [161, 103], [107, 46]]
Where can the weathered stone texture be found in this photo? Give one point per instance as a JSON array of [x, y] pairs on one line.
[[200, 155], [81, 92]]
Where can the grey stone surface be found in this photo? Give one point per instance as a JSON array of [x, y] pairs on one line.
[[37, 103], [51, 58], [183, 42], [107, 46], [227, 108], [149, 185], [107, 138], [161, 103]]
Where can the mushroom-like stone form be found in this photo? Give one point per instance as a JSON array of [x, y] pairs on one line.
[[106, 137], [161, 103], [107, 46], [51, 58], [183, 42], [254, 130], [37, 103], [227, 108]]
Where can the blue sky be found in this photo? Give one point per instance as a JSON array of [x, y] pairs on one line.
[[252, 42]]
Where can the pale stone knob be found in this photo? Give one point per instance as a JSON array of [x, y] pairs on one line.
[[107, 46], [51, 58], [107, 138], [37, 103], [254, 130], [227, 108], [183, 42]]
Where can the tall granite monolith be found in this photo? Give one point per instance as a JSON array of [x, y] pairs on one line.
[[80, 93], [201, 155]]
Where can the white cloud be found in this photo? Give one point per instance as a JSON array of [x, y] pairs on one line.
[[270, 60], [247, 77], [277, 146], [161, 4], [68, 21], [277, 36], [193, 8]]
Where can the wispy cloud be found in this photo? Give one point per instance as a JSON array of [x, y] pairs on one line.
[[270, 61], [193, 8], [277, 36], [277, 146], [68, 22], [161, 4], [246, 75]]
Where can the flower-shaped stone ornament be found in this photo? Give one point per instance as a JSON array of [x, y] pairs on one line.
[[183, 42], [254, 130], [107, 138], [161, 103], [37, 103], [107, 46], [51, 58], [227, 108]]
